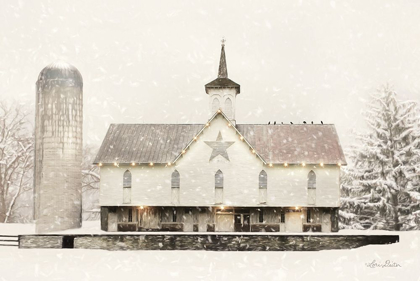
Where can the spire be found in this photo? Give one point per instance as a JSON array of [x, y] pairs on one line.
[[222, 81], [222, 65]]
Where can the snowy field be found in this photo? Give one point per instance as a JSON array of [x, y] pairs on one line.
[[71, 264]]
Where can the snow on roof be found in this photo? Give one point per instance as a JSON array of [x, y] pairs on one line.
[[276, 144]]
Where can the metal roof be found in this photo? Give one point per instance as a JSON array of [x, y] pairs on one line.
[[223, 83], [145, 143], [276, 144], [295, 144]]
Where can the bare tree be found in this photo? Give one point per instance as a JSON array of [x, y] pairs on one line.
[[16, 158], [90, 184]]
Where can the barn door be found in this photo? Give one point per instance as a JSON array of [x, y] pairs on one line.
[[293, 222], [188, 220], [202, 221], [112, 222], [326, 222], [224, 222]]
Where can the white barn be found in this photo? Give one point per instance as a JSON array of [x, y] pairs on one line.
[[220, 176]]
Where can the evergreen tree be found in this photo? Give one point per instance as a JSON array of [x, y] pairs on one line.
[[381, 188]]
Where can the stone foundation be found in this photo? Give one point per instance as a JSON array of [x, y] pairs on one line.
[[212, 242], [40, 241]]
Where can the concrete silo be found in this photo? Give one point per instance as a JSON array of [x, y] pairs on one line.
[[58, 148]]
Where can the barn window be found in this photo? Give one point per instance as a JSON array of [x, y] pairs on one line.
[[218, 178], [127, 187], [130, 215], [282, 217], [263, 186], [174, 215], [228, 107], [263, 180], [311, 179], [215, 105], [261, 215], [175, 184]]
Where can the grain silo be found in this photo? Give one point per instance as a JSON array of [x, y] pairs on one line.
[[58, 148]]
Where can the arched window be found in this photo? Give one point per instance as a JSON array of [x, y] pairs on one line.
[[311, 179], [218, 184], [311, 188], [263, 187], [228, 108], [127, 187], [175, 184], [219, 179], [215, 105], [175, 180], [263, 180]]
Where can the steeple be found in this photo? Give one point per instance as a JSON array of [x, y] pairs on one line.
[[222, 65], [222, 91]]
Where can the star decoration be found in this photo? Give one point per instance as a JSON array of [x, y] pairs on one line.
[[219, 147]]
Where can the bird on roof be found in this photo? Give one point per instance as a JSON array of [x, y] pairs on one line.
[[275, 122], [268, 122], [304, 122], [291, 123], [322, 122]]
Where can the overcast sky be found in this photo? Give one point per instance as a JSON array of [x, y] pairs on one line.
[[148, 61]]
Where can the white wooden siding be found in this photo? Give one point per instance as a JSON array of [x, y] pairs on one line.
[[127, 195], [218, 195], [215, 105], [175, 195], [228, 108], [287, 186], [263, 195], [222, 95], [311, 196]]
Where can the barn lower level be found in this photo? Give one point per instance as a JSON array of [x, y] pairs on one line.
[[219, 219]]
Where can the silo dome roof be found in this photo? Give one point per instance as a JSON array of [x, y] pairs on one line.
[[61, 71]]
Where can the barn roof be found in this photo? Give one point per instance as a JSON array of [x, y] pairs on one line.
[[222, 83], [295, 144], [277, 144], [145, 143]]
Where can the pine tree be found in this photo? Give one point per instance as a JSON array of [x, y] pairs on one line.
[[381, 189]]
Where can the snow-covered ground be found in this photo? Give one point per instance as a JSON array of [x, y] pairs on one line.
[[72, 264]]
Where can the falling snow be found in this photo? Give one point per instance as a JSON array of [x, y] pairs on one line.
[[148, 62]]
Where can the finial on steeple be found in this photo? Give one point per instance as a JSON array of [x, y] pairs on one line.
[[222, 65]]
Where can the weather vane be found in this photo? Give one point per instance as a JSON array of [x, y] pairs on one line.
[[223, 41]]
